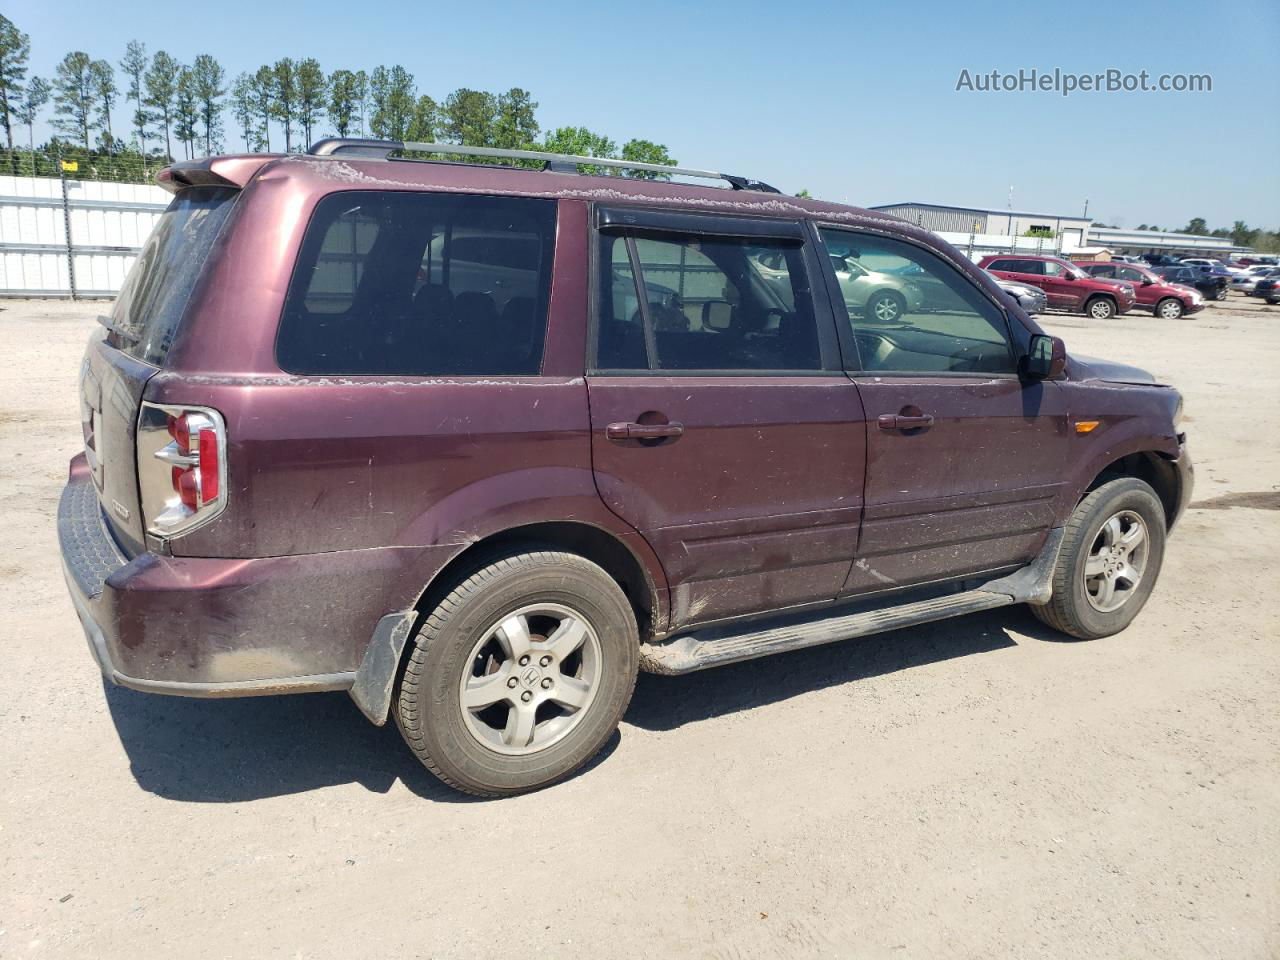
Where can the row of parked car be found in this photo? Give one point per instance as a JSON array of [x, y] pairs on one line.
[[1168, 287]]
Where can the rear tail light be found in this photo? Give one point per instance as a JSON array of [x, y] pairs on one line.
[[182, 468]]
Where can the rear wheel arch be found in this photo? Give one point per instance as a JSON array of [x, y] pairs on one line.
[[586, 540]]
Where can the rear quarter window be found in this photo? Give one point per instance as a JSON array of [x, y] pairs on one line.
[[151, 304], [420, 284]]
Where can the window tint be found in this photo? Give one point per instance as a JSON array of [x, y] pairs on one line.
[[1031, 266], [420, 284], [1130, 274], [154, 296], [1009, 266], [912, 312], [1100, 270], [708, 304]]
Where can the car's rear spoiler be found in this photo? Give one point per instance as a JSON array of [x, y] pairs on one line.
[[235, 171]]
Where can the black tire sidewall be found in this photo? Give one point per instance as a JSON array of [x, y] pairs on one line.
[[1127, 494], [451, 633]]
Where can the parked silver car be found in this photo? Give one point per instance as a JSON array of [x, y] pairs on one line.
[[1031, 299]]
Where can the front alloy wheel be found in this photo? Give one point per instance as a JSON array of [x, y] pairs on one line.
[[1116, 562], [1111, 553], [1170, 309], [1101, 308]]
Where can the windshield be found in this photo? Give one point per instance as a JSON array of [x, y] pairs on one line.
[[155, 294]]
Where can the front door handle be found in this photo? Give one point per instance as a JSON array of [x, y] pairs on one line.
[[898, 421], [643, 431]]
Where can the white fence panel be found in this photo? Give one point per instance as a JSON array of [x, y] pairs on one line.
[[109, 224]]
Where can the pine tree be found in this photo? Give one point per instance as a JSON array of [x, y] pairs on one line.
[[311, 95], [284, 101], [161, 83], [104, 91], [73, 96], [208, 83], [15, 47], [134, 66]]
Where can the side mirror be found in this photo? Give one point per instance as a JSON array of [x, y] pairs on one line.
[[1147, 281], [1068, 276], [1046, 358], [717, 315]]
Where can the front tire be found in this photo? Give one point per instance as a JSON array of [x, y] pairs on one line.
[[520, 675], [1111, 556], [1170, 308], [1101, 308]]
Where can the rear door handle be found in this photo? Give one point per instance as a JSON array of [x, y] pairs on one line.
[[643, 431], [898, 421]]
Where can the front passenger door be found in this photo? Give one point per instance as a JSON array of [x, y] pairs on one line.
[[964, 458]]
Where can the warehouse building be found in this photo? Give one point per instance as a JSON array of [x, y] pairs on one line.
[[996, 230], [1138, 242]]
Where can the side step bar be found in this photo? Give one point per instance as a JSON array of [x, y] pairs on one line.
[[685, 654]]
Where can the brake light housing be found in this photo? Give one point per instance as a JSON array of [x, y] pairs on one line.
[[182, 467]]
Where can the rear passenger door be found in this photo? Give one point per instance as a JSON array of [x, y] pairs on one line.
[[723, 428], [963, 457]]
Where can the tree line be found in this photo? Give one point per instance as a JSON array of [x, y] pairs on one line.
[[170, 108]]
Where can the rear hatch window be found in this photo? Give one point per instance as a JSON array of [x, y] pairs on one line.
[[154, 297]]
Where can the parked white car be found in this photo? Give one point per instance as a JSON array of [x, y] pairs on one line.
[[1210, 263]]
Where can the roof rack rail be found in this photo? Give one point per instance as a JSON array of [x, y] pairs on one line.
[[556, 162]]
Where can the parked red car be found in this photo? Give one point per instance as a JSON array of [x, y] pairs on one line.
[[1167, 300], [477, 443], [1066, 286]]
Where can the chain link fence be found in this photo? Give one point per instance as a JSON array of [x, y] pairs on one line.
[[115, 168]]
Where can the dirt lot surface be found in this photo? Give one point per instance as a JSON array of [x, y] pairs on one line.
[[975, 788]]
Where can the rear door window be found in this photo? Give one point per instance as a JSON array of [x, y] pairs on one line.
[[149, 309], [708, 304], [420, 284]]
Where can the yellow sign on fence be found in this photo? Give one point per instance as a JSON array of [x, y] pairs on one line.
[[70, 166]]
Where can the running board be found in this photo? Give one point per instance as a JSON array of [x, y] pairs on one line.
[[686, 654]]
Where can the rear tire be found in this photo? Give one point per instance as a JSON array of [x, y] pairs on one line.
[[520, 675], [1115, 537], [886, 307], [1170, 308], [1101, 308]]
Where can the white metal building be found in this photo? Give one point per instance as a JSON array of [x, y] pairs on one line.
[[998, 229]]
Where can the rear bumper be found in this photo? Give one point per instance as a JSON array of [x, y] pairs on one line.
[[218, 627]]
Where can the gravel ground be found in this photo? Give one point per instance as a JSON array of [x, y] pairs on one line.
[[973, 788]]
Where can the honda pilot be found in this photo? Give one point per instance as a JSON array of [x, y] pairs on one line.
[[476, 443]]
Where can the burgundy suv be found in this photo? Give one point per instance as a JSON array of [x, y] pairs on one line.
[[1164, 299], [475, 443], [1066, 286]]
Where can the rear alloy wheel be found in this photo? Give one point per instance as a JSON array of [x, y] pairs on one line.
[[886, 307], [1220, 293], [1111, 554], [520, 674], [1101, 308], [1170, 308]]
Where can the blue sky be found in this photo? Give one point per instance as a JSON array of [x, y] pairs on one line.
[[856, 102]]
